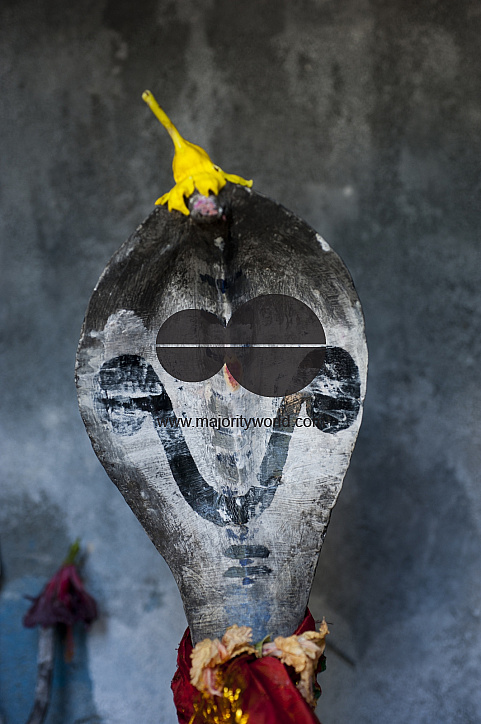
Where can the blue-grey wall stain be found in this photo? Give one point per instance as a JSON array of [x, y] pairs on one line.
[[31, 553], [72, 698]]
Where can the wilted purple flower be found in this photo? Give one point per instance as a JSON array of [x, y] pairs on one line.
[[63, 602], [64, 599]]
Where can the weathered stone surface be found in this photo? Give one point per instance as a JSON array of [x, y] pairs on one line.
[[209, 494]]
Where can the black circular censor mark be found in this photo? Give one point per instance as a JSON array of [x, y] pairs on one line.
[[190, 334], [273, 345]]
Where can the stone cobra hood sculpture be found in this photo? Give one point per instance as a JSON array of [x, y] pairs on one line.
[[221, 372]]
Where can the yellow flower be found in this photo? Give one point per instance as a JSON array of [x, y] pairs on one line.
[[206, 655], [192, 166], [302, 652], [237, 640], [209, 654]]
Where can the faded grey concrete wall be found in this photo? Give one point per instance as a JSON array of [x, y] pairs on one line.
[[362, 117]]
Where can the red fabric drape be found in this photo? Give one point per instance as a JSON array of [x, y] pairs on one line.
[[268, 694]]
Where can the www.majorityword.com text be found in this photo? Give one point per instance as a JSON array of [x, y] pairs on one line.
[[287, 421]]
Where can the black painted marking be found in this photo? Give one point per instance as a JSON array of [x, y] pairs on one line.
[[336, 405], [241, 572], [130, 391], [221, 284], [247, 551]]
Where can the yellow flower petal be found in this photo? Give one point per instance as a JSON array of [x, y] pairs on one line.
[[163, 199], [191, 166], [292, 653], [237, 179], [204, 655], [237, 640]]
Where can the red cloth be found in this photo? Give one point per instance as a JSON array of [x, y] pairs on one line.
[[268, 694]]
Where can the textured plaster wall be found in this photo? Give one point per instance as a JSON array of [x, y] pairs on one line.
[[364, 117]]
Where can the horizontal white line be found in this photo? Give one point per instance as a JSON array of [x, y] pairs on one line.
[[244, 346]]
